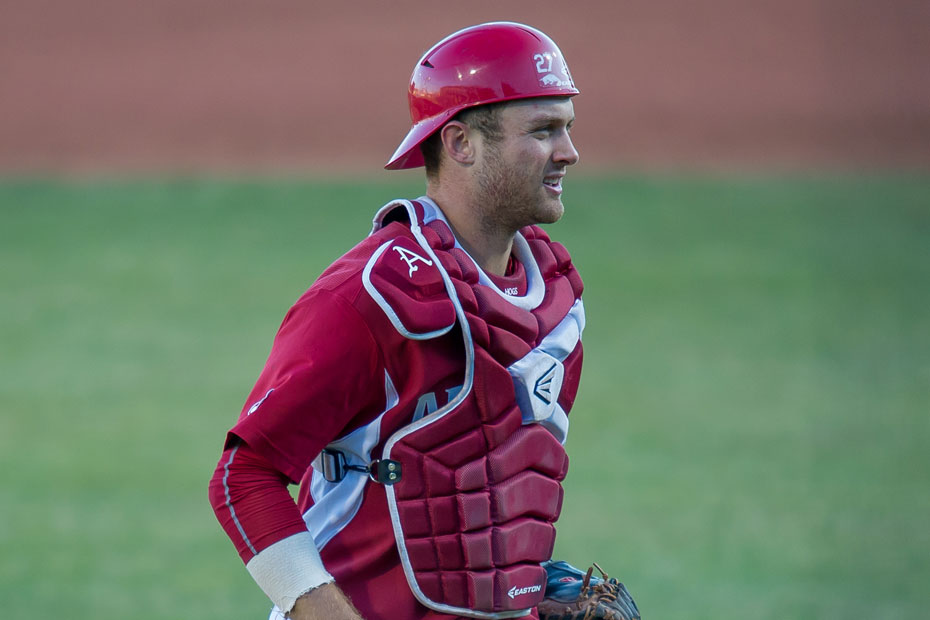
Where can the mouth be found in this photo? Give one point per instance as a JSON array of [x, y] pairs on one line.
[[553, 183]]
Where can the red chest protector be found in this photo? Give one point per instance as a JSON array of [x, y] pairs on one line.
[[474, 510]]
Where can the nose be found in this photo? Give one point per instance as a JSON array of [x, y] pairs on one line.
[[565, 152]]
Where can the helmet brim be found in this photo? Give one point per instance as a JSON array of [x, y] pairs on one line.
[[408, 154]]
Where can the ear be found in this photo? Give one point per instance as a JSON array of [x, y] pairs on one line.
[[457, 142]]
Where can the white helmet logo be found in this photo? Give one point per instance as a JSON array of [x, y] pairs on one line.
[[548, 77]]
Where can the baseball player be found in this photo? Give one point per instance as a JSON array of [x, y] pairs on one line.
[[419, 391]]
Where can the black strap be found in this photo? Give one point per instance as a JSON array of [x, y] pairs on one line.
[[335, 468]]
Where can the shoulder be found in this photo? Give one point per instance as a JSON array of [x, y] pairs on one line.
[[552, 257], [337, 303], [387, 275], [541, 244], [343, 276], [406, 282]]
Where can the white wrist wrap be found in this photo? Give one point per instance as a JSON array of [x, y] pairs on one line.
[[288, 569]]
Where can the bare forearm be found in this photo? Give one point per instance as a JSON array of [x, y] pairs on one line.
[[326, 602]]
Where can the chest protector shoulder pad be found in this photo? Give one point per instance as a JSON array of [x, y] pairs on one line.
[[407, 284]]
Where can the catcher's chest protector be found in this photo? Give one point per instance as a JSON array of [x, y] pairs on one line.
[[474, 510]]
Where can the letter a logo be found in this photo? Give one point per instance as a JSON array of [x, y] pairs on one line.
[[411, 259]]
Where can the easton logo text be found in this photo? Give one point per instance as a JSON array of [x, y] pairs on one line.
[[515, 591]]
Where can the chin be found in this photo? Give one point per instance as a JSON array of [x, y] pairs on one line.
[[551, 212]]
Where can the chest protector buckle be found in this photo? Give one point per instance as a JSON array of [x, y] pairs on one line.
[[335, 468]]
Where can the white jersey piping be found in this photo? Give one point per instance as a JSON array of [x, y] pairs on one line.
[[232, 511]]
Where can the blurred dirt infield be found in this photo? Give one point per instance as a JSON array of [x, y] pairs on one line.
[[193, 86]]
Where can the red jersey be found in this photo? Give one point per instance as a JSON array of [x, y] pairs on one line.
[[341, 374]]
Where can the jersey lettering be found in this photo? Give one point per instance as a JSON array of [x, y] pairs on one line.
[[453, 391], [427, 403]]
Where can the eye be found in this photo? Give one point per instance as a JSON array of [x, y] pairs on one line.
[[541, 132]]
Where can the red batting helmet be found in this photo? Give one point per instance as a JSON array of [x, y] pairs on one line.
[[499, 61]]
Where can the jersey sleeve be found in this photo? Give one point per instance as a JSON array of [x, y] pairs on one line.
[[251, 501], [324, 374]]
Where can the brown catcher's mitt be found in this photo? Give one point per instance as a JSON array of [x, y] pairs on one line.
[[573, 595]]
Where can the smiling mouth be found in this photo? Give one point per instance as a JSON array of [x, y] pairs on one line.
[[553, 183]]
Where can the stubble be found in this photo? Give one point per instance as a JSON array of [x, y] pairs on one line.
[[507, 198]]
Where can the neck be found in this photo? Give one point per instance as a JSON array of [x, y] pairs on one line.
[[490, 247]]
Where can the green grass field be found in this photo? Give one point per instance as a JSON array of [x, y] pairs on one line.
[[751, 439]]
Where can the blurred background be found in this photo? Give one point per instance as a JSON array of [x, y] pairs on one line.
[[751, 216], [309, 87]]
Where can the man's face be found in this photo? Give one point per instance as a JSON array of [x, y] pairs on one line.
[[520, 176]]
